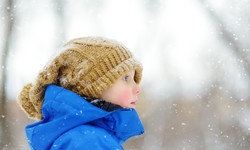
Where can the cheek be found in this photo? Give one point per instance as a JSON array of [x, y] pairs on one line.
[[124, 96]]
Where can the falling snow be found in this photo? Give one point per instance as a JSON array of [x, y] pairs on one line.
[[195, 59]]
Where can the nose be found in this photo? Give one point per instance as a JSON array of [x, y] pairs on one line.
[[137, 89]]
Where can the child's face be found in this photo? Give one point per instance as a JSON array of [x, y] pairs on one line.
[[124, 92]]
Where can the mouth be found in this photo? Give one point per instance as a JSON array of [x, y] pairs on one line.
[[134, 102]]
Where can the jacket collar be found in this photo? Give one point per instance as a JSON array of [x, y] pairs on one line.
[[102, 104]]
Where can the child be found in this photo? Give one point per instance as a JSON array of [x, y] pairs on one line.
[[84, 98]]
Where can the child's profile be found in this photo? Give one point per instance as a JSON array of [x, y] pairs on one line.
[[84, 98]]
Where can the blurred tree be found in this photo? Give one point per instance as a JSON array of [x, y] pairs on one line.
[[9, 19], [233, 29], [227, 33]]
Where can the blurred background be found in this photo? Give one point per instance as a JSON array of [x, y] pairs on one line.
[[195, 55]]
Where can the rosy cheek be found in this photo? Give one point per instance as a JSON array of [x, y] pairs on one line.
[[124, 96]]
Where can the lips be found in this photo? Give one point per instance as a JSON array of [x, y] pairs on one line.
[[134, 102]]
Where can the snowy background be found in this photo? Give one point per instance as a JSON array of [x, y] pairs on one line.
[[196, 91]]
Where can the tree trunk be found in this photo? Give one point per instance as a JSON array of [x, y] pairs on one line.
[[4, 133]]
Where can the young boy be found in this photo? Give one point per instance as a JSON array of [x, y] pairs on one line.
[[85, 98]]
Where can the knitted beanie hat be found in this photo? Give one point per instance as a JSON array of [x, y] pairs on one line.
[[87, 66]]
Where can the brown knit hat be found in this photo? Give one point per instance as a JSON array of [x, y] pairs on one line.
[[87, 67]]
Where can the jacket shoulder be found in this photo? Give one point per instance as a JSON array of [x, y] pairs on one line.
[[86, 137]]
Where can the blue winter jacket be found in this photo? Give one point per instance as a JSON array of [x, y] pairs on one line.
[[72, 123]]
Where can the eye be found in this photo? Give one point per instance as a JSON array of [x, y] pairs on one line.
[[125, 78]]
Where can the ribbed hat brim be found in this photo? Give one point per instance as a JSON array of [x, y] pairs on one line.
[[108, 79]]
